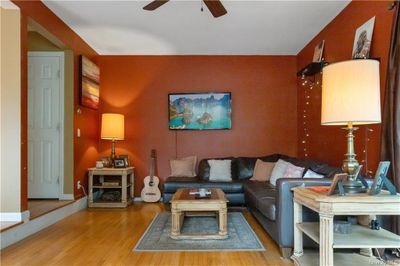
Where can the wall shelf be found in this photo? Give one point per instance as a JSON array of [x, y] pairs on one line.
[[312, 69]]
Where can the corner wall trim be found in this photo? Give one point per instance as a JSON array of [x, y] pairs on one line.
[[30, 227]]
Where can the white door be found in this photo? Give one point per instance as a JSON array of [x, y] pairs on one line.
[[45, 124]]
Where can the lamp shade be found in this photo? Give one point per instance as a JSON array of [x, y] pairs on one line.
[[351, 93], [112, 126]]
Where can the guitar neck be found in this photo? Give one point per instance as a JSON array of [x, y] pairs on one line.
[[151, 169]]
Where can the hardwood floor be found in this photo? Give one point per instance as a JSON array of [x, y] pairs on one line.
[[107, 237]]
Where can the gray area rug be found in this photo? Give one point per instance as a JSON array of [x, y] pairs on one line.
[[241, 235]]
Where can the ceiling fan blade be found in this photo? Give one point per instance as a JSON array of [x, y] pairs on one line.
[[154, 5], [216, 8]]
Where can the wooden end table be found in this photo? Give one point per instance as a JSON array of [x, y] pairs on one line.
[[323, 234], [125, 177], [183, 204]]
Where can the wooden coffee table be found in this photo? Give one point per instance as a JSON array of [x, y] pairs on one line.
[[183, 204]]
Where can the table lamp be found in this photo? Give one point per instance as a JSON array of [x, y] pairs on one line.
[[112, 128], [351, 96]]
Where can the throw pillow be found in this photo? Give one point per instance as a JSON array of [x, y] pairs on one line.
[[193, 159], [184, 167], [220, 170], [278, 171], [262, 170], [312, 174], [293, 171]]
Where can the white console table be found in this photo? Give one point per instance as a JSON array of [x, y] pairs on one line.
[[322, 232]]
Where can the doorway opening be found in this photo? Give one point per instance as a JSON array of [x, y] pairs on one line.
[[50, 122]]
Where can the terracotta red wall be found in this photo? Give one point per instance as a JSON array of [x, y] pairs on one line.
[[328, 143], [85, 148], [264, 106]]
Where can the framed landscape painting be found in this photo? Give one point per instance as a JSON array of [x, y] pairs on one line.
[[89, 83], [200, 111]]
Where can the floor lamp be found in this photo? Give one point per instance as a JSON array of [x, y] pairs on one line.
[[351, 96]]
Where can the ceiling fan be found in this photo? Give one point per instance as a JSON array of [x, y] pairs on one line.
[[215, 6]]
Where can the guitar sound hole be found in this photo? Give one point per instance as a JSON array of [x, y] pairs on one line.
[[151, 183]]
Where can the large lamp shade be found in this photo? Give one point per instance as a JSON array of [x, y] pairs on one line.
[[112, 126], [351, 93]]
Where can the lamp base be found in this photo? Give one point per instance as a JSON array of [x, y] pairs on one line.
[[353, 187]]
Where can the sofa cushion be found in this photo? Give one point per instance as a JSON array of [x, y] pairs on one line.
[[316, 166], [266, 205], [278, 171], [245, 165], [173, 183], [262, 171], [204, 168], [311, 174], [220, 170], [261, 195], [185, 162], [182, 167], [293, 171]]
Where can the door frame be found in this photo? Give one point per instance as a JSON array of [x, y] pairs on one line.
[[61, 74]]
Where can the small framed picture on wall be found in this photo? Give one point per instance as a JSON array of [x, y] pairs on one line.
[[363, 39], [318, 51]]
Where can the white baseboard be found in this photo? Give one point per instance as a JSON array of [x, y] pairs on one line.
[[66, 197], [139, 199], [30, 227], [14, 216]]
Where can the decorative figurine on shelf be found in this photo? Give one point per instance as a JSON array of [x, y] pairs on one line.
[[375, 225]]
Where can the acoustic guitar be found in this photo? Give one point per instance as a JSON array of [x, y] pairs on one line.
[[151, 192]]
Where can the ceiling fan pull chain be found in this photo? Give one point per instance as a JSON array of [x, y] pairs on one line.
[[201, 9]]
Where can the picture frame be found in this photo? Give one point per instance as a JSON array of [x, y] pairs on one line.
[[363, 39], [126, 159], [119, 163], [89, 83], [200, 111], [318, 51], [338, 180], [106, 161], [380, 174]]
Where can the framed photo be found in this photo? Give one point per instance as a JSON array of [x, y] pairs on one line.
[[119, 163], [200, 111], [377, 185], [336, 179], [363, 39], [106, 161], [318, 51], [126, 159], [89, 80]]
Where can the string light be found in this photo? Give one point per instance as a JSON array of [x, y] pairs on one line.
[[309, 85]]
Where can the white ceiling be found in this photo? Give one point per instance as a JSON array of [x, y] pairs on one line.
[[179, 27]]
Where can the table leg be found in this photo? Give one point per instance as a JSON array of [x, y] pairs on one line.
[[176, 223], [223, 222], [325, 240], [132, 188], [90, 189], [298, 235], [124, 197]]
